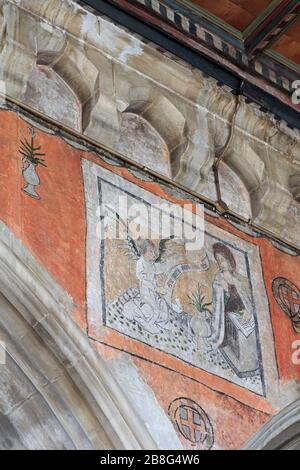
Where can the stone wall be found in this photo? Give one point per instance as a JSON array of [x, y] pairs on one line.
[[111, 74], [57, 220], [199, 344]]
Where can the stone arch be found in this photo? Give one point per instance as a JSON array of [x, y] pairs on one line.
[[251, 170], [79, 74], [282, 432], [139, 141], [67, 382], [49, 94], [163, 116], [234, 191], [252, 165], [250, 160], [46, 45]]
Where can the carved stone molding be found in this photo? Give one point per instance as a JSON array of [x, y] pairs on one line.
[[55, 356], [113, 72], [282, 432]]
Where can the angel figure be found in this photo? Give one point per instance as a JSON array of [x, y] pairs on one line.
[[150, 309]]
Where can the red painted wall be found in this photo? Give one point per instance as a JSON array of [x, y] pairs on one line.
[[54, 230]]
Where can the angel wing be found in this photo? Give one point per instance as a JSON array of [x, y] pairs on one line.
[[162, 248], [129, 246]]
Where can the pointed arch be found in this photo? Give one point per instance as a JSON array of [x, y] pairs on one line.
[[282, 432], [53, 355], [163, 117]]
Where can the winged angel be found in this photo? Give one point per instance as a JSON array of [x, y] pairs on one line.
[[150, 309]]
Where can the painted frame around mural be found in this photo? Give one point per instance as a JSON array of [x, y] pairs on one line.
[[91, 173]]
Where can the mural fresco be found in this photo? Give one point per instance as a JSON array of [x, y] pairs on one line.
[[197, 305]]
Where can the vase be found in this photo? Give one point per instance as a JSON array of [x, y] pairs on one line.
[[201, 328], [32, 179]]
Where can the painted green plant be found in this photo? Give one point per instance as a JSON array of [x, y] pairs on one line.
[[30, 153], [197, 299]]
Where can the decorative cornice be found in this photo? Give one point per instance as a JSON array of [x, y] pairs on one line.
[[227, 42], [112, 69]]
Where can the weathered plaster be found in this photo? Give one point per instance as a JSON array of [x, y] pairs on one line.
[[105, 65], [56, 357], [187, 121]]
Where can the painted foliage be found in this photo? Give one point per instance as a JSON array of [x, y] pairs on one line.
[[195, 304], [31, 159]]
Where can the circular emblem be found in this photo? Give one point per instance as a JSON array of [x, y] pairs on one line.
[[287, 296], [191, 421]]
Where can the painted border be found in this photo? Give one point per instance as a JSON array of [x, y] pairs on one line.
[[91, 173]]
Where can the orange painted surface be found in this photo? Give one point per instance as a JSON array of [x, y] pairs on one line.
[[277, 264], [237, 13], [288, 44], [233, 422], [123, 343], [54, 230]]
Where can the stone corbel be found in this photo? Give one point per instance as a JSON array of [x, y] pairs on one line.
[[103, 125], [192, 166]]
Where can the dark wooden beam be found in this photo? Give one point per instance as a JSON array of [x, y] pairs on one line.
[[279, 105], [272, 26]]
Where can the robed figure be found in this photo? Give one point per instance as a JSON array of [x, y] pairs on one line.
[[233, 323]]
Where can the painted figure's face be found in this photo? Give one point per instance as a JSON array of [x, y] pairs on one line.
[[223, 263], [150, 254]]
